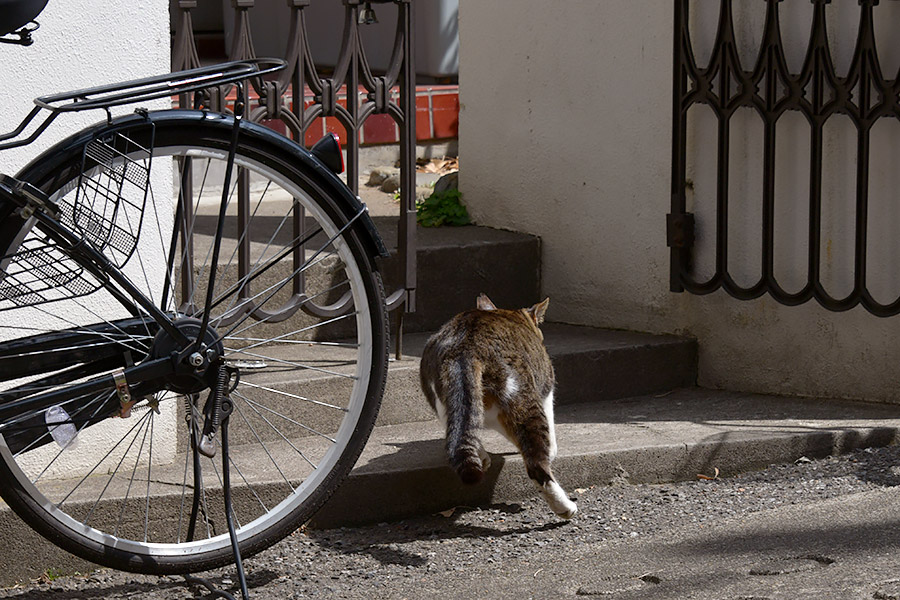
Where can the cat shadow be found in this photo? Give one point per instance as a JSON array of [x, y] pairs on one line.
[[439, 487], [384, 542]]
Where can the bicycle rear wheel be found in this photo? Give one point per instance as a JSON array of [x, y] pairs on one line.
[[298, 311]]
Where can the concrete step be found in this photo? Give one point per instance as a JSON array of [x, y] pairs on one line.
[[591, 365], [455, 264], [594, 364], [647, 439], [653, 438], [468, 260]]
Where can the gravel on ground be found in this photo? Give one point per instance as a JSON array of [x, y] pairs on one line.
[[398, 560]]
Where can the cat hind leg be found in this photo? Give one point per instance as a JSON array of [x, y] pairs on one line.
[[537, 444], [553, 493], [547, 405]]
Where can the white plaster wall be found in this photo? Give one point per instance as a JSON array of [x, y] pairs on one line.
[[565, 132], [82, 43]]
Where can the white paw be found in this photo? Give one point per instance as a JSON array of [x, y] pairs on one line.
[[570, 510], [558, 501]]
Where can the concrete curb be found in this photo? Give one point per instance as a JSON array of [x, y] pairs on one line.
[[648, 439]]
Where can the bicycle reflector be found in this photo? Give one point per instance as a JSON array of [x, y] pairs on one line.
[[328, 150]]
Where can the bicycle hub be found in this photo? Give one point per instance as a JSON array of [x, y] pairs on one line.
[[193, 375]]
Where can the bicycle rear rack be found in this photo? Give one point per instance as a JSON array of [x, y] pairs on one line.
[[106, 207], [136, 91]]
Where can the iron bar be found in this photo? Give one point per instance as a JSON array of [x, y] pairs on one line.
[[819, 93], [367, 93]]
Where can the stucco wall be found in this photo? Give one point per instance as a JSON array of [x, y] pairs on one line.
[[565, 132], [81, 43]]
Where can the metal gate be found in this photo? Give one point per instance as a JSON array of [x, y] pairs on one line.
[[367, 93], [863, 96]]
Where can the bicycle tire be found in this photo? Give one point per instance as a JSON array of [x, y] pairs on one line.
[[281, 365]]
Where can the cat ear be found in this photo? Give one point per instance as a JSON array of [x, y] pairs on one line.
[[484, 303], [538, 311]]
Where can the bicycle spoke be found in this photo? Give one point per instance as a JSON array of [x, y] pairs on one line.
[[131, 480], [262, 443], [303, 329], [243, 239], [291, 310], [184, 483], [276, 430], [112, 475], [248, 485], [294, 364], [297, 271], [205, 266], [282, 340], [70, 323], [254, 273], [284, 336], [289, 419], [149, 469]]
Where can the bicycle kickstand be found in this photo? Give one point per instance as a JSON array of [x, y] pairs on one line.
[[226, 408]]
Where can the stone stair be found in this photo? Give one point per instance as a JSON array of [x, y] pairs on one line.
[[627, 406], [628, 411], [655, 438], [455, 264], [591, 365]]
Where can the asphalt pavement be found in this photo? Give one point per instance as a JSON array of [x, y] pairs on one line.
[[823, 529]]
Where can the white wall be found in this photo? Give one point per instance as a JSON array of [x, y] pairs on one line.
[[81, 43], [565, 132]]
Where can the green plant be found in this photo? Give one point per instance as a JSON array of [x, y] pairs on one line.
[[442, 208]]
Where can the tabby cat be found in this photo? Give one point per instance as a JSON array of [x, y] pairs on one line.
[[489, 368]]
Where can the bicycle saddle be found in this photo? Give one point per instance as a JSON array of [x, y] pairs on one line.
[[14, 14]]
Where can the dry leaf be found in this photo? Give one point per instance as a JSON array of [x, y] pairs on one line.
[[707, 477], [437, 165], [447, 513]]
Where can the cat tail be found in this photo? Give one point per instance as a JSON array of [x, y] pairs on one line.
[[465, 413]]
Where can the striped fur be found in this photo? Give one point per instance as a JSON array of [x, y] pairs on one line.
[[488, 368]]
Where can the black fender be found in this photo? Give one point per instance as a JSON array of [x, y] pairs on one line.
[[48, 170]]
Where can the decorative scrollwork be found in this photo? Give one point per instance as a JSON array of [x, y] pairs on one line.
[[817, 91]]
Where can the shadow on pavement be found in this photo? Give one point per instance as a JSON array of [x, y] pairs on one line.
[[382, 542]]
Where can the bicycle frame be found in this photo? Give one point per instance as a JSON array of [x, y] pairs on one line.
[[81, 343]]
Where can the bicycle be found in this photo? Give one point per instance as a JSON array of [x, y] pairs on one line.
[[161, 272]]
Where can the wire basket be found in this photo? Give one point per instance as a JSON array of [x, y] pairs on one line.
[[105, 207], [39, 272], [108, 206]]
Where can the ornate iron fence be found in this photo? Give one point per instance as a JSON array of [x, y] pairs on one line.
[[770, 89], [366, 92]]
